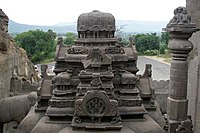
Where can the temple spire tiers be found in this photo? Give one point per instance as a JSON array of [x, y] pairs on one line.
[[95, 106], [62, 102], [180, 30]]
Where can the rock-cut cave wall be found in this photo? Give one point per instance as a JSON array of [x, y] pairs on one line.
[[13, 60]]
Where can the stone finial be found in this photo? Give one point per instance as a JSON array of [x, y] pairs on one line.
[[60, 41], [180, 26], [3, 22], [44, 71], [181, 18], [132, 40]]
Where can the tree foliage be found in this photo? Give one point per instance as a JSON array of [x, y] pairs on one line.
[[38, 44], [165, 38], [70, 38], [146, 42]]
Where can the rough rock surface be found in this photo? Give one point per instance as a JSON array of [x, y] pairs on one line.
[[193, 7], [12, 59], [194, 81], [16, 108]]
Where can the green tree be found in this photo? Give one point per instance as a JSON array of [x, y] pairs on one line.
[[146, 42], [38, 44], [162, 48], [52, 34], [70, 38], [165, 38]]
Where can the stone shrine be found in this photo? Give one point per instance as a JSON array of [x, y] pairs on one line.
[[96, 86]]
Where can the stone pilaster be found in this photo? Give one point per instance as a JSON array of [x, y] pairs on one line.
[[180, 30]]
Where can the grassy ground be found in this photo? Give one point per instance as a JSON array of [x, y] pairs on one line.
[[47, 61], [165, 58]]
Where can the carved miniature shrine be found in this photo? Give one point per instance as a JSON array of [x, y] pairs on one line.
[[96, 85]]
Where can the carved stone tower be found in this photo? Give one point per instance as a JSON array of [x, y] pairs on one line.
[[180, 29], [96, 85], [62, 102], [96, 106]]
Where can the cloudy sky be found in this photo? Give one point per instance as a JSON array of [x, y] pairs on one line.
[[50, 12]]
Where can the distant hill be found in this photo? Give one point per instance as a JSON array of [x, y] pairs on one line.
[[14, 27], [130, 26]]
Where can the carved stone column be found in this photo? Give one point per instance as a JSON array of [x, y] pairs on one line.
[[180, 29]]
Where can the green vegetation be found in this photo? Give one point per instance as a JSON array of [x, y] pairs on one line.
[[165, 38], [38, 44], [69, 40], [147, 44], [166, 57]]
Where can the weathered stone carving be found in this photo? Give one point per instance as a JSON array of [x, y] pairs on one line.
[[77, 50], [87, 22], [181, 17], [180, 29], [96, 85], [44, 71], [63, 96], [114, 50], [96, 81], [132, 40], [16, 108], [93, 102], [185, 126], [60, 41]]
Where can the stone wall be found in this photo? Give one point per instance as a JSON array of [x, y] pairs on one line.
[[193, 7], [161, 92], [13, 60], [194, 81]]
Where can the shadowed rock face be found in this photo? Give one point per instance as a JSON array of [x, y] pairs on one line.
[[4, 41], [193, 7], [3, 21]]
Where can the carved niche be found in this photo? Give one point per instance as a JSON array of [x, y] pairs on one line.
[[77, 50]]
